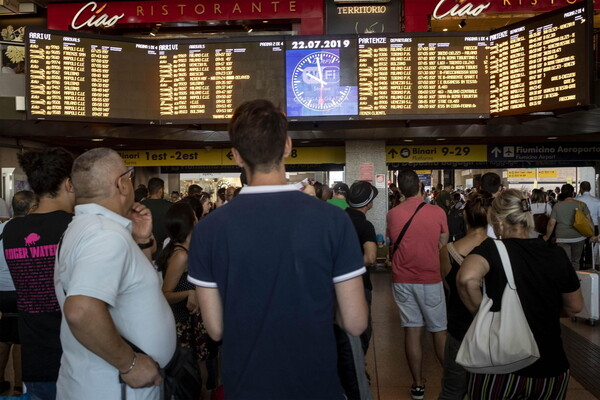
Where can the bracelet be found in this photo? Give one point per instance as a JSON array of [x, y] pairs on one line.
[[131, 366], [146, 245]]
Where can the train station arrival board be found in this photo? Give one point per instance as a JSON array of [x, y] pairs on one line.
[[540, 64]]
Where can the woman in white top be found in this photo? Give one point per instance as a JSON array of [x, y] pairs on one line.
[[541, 212]]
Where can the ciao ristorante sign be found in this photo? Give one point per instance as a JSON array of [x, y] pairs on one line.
[[76, 16]]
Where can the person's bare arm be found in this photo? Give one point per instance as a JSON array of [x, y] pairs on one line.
[[469, 281], [445, 265], [176, 267], [370, 253], [572, 303], [549, 228], [141, 219], [91, 324], [211, 309], [443, 239], [352, 312]]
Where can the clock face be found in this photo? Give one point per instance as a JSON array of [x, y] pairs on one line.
[[315, 81]]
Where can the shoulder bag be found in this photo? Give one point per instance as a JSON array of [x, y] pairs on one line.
[[582, 223], [499, 342], [404, 229]]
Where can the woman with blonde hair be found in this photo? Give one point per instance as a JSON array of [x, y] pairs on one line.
[[547, 287]]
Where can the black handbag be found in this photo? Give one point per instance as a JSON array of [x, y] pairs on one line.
[[181, 377]]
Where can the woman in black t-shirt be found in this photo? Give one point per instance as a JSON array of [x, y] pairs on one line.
[[547, 286]]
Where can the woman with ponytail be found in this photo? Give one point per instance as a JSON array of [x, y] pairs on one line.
[[454, 379]]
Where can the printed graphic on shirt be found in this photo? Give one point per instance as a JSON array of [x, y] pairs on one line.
[[31, 239]]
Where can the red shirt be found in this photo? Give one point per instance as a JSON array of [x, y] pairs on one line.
[[417, 258]]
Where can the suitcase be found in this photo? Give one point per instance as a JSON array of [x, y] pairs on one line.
[[590, 288]]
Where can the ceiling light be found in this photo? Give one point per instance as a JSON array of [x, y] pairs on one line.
[[462, 24], [552, 137], [97, 140], [440, 139], [408, 140]]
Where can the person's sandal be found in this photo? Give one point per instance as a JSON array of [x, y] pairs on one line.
[[18, 390]]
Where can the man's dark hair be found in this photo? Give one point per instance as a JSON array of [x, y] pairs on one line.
[[221, 193], [258, 131], [585, 186], [408, 182], [154, 185], [140, 194], [490, 182], [195, 190], [46, 169], [22, 202], [567, 190]]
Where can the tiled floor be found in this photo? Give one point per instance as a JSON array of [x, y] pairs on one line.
[[386, 362]]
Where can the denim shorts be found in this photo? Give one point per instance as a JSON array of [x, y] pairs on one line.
[[421, 305]]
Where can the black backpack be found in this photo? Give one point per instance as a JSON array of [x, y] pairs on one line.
[[456, 224]]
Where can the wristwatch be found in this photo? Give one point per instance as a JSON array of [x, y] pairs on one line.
[[146, 245]]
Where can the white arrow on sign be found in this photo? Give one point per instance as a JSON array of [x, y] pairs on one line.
[[496, 151]]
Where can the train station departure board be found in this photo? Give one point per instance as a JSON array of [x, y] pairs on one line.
[[540, 64], [423, 76]]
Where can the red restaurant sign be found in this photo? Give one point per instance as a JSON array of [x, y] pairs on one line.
[[417, 12], [74, 16]]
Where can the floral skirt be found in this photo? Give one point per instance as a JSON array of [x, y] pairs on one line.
[[191, 333]]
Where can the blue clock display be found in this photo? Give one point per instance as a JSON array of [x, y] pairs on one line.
[[314, 84]]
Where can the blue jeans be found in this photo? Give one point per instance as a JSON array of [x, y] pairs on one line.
[[41, 390]]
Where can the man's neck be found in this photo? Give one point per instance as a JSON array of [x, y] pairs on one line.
[[50, 204], [155, 196], [274, 177], [109, 203]]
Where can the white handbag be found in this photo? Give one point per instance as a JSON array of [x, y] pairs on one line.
[[499, 342]]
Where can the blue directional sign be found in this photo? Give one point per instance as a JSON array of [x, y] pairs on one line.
[[542, 152]]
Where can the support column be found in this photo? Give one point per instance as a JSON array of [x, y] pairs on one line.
[[369, 151]]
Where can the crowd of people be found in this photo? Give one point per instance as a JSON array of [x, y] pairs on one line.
[[110, 280]]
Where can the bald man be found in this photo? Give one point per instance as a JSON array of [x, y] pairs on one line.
[[108, 289]]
